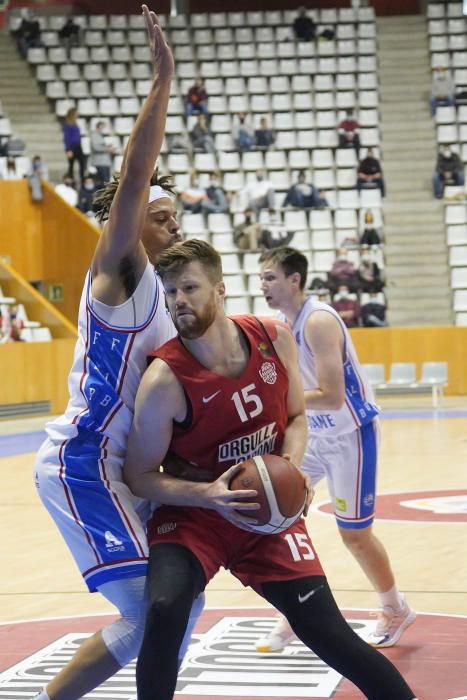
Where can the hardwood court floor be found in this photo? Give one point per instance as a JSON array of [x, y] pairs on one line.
[[420, 451]]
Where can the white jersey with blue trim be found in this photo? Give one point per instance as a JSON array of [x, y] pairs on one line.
[[109, 360], [359, 406]]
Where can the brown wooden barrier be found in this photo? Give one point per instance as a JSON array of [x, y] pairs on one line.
[[417, 344], [39, 371], [36, 372], [50, 241]]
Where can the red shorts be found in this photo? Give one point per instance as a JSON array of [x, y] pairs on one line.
[[253, 559]]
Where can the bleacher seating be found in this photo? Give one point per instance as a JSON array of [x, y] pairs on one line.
[[447, 31], [250, 62], [403, 379]]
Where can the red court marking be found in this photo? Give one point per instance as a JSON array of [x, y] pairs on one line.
[[429, 507], [431, 654]]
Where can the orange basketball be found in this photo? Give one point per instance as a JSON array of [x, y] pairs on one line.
[[281, 492]]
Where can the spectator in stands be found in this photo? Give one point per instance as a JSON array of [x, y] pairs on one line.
[[348, 132], [3, 146], [86, 195], [369, 274], [304, 27], [260, 193], [246, 235], [16, 324], [72, 140], [343, 271], [193, 195], [67, 190], [369, 173], [251, 235], [370, 235], [373, 313], [304, 195], [28, 34], [202, 138], [274, 233], [10, 171], [37, 173], [264, 136], [243, 133], [70, 34], [347, 306], [449, 170], [442, 89], [5, 326], [216, 202], [102, 153], [323, 296], [177, 143], [197, 99]]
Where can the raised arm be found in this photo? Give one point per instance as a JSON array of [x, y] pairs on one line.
[[121, 237]]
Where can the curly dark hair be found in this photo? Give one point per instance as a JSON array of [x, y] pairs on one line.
[[104, 197]]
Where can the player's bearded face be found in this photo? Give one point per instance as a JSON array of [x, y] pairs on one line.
[[193, 300], [192, 323]]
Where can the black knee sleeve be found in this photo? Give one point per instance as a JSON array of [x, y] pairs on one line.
[[175, 579], [315, 618]]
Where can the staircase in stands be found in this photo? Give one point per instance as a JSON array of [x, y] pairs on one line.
[[417, 270]]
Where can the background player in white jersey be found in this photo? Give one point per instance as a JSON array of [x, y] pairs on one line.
[[343, 434], [122, 318]]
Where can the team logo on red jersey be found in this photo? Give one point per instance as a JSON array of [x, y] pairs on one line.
[[165, 528], [268, 372]]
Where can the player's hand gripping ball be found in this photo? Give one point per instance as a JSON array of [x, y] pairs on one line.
[[281, 492]]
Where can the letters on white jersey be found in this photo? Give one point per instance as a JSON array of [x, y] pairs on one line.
[[110, 357]]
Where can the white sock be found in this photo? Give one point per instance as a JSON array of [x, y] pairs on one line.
[[392, 598], [42, 695]]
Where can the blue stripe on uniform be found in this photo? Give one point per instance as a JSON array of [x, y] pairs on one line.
[[105, 361], [94, 504], [369, 455], [364, 411]]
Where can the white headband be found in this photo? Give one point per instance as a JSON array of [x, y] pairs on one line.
[[156, 192]]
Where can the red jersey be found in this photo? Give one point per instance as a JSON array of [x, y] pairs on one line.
[[231, 419]]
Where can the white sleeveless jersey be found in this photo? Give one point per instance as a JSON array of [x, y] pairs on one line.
[[109, 360], [359, 406]]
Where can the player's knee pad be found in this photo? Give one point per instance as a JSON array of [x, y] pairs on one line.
[[124, 636]]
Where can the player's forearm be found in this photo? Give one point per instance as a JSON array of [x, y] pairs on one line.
[[166, 489], [146, 138], [317, 400], [295, 438]]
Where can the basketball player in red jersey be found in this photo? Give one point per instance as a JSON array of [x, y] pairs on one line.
[[224, 390]]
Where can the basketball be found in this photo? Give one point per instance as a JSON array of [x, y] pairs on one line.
[[281, 492]]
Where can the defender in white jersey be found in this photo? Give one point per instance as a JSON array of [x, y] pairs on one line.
[[122, 319], [342, 433]]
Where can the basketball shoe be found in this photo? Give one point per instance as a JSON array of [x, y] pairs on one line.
[[281, 635], [391, 624]]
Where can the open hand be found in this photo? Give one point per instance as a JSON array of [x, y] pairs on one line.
[[160, 51]]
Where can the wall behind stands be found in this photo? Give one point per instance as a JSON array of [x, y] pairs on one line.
[[38, 371], [417, 344], [51, 242]]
